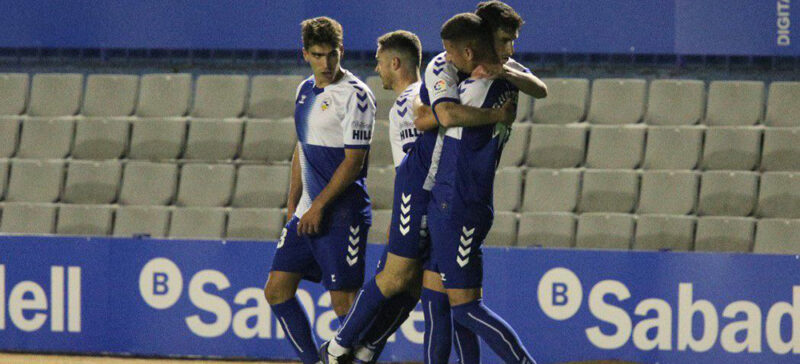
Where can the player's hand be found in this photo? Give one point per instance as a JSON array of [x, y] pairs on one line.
[[311, 222], [487, 71], [509, 112]]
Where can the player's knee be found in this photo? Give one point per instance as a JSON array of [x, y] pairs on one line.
[[341, 302], [276, 295], [394, 283]]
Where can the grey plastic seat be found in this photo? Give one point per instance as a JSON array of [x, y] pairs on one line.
[[617, 101], [779, 195], [381, 219], [668, 192], [28, 218], [508, 189], [92, 182], [146, 183], [110, 95], [728, 193], [735, 103], [13, 93], [383, 98], [777, 236], [219, 96], [524, 108], [46, 138], [664, 232], [206, 185], [84, 220], [213, 140], [725, 234], [9, 136], [781, 150], [157, 139], [380, 184], [273, 96], [197, 223], [732, 148], [262, 186], [565, 102], [548, 190], [142, 220], [783, 105], [615, 146], [35, 180], [164, 95], [517, 145], [100, 138], [55, 94], [504, 229], [380, 150], [557, 146], [269, 140], [3, 177], [551, 230], [609, 190], [675, 102], [673, 147], [255, 224], [604, 231]]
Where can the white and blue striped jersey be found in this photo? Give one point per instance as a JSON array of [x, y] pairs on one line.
[[328, 120], [402, 132]]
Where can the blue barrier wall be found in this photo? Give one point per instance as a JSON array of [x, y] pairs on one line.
[[723, 27], [203, 298]]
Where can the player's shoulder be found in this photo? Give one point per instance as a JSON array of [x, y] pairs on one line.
[[351, 83], [440, 67], [474, 90], [411, 91], [307, 83]]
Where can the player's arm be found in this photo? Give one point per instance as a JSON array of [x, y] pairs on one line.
[[526, 82], [425, 120], [451, 114], [295, 184]]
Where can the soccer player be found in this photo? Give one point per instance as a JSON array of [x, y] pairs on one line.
[[328, 206]]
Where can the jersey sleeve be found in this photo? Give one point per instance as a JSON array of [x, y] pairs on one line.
[[441, 81], [517, 66], [359, 119]]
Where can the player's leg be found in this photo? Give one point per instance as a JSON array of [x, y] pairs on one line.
[[438, 327]]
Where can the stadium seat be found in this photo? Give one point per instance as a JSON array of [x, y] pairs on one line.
[[605, 190], [110, 95], [524, 108], [9, 135], [35, 180], [565, 102], [213, 140], [219, 96], [557, 146], [28, 218], [55, 94], [604, 231], [380, 150], [735, 103], [507, 189], [664, 232], [91, 182], [668, 192], [617, 101], [732, 148], [381, 219], [46, 138], [550, 230], [383, 98], [206, 185], [514, 150], [728, 193], [3, 177], [548, 190], [675, 102], [380, 185], [779, 195], [13, 93], [197, 223], [783, 105], [100, 138], [142, 220], [269, 140], [164, 95], [777, 236], [255, 224], [504, 230], [146, 183], [157, 139], [615, 146], [261, 186], [673, 147], [84, 220], [781, 150], [273, 96], [724, 234]]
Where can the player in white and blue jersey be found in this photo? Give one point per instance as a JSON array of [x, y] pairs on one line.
[[329, 208]]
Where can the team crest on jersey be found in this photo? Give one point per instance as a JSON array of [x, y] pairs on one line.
[[325, 105], [439, 85]]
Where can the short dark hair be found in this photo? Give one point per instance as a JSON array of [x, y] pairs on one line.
[[499, 15], [322, 30], [470, 29], [402, 41]]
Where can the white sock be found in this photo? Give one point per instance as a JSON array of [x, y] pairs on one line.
[[337, 350], [364, 353]]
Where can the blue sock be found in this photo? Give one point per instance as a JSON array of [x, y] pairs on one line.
[[493, 330], [341, 319], [467, 346], [393, 313], [294, 322], [368, 301], [438, 327]]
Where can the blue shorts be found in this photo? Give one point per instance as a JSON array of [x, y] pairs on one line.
[[456, 249], [335, 257]]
